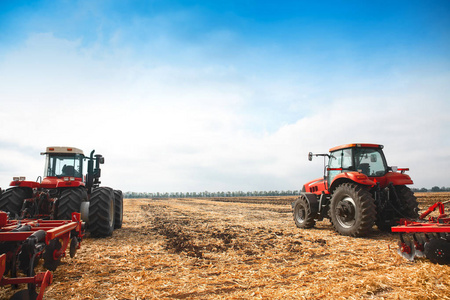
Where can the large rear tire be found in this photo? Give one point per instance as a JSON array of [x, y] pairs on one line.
[[70, 201], [101, 212], [118, 209], [303, 217], [405, 207], [352, 210], [12, 200], [410, 207]]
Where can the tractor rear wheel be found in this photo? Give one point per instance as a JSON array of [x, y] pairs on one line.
[[408, 201], [101, 212], [405, 206], [352, 210], [12, 200], [302, 213], [118, 209], [70, 201]]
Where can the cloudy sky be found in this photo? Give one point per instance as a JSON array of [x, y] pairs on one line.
[[186, 96]]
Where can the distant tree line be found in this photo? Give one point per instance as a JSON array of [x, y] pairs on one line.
[[207, 194], [210, 194], [433, 189]]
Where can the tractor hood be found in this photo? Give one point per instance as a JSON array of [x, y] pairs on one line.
[[56, 182]]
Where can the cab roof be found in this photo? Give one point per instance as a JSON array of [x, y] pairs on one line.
[[63, 150], [355, 146]]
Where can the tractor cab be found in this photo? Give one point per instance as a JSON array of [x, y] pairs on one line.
[[367, 159], [63, 167], [63, 162]]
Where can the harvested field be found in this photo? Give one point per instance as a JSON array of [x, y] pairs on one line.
[[241, 248]]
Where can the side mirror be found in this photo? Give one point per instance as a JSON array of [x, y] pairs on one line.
[[394, 168], [310, 156], [100, 159]]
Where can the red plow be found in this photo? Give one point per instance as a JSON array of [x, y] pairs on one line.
[[24, 242], [428, 238]]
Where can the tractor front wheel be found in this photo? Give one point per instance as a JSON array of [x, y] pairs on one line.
[[70, 201], [352, 210], [302, 213], [12, 200], [101, 212]]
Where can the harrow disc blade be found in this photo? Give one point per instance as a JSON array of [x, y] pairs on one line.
[[25, 295], [419, 242], [50, 263], [407, 250], [73, 247], [438, 251]]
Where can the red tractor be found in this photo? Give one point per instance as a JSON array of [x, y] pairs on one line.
[[357, 191], [65, 190]]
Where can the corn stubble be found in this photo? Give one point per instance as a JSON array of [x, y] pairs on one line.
[[241, 248]]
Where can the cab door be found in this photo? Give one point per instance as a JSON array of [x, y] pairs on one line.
[[340, 161]]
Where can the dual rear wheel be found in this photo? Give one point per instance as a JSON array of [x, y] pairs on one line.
[[105, 211], [105, 208]]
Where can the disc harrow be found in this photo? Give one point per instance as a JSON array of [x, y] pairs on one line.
[[428, 238], [24, 242]]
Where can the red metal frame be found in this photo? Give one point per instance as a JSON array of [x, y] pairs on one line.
[[433, 224], [63, 230], [42, 279]]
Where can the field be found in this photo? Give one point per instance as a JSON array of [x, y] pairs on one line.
[[241, 248]]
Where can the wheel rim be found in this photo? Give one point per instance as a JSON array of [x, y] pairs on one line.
[[301, 214], [346, 212]]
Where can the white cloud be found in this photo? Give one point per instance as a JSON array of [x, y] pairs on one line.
[[166, 127]]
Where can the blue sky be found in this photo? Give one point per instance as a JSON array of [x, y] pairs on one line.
[[229, 95]]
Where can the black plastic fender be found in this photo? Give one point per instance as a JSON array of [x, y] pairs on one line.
[[313, 202]]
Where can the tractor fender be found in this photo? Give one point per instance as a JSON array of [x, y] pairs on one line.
[[355, 177], [312, 200], [398, 178], [26, 184]]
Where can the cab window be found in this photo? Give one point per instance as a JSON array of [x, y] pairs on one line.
[[63, 165]]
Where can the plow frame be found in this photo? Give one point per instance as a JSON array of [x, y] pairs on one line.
[[35, 236], [430, 237]]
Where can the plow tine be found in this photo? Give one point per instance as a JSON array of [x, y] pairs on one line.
[[406, 249], [418, 247]]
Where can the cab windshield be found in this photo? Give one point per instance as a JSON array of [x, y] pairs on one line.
[[64, 165], [370, 161]]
